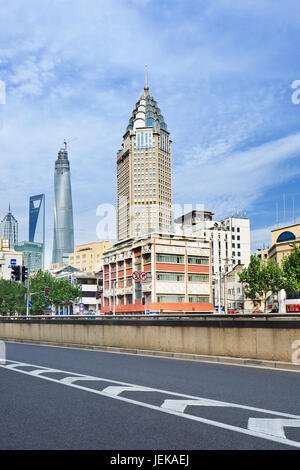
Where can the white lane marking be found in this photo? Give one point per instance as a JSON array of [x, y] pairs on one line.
[[249, 432], [114, 391], [13, 366], [180, 405], [272, 427], [70, 380], [181, 395], [42, 371]]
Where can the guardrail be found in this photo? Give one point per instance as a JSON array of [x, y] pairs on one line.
[[180, 316]]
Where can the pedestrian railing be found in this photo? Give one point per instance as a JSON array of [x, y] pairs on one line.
[[164, 316]]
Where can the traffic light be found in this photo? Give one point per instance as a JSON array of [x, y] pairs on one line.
[[46, 292], [24, 273], [16, 273]]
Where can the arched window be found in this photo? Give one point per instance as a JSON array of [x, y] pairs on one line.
[[286, 236]]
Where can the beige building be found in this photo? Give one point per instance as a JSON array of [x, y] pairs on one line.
[[283, 239], [6, 255], [88, 257], [262, 253], [144, 187]]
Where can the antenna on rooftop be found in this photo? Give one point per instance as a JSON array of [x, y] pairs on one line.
[[68, 141]]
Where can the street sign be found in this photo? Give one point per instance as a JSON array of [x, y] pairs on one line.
[[135, 275], [13, 262], [81, 307], [153, 313], [29, 304], [143, 276], [217, 308]]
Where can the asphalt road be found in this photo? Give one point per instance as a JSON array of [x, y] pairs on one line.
[[100, 400]]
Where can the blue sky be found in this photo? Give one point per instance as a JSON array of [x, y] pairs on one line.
[[220, 70]]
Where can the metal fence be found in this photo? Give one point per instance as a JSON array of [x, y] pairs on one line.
[[164, 316]]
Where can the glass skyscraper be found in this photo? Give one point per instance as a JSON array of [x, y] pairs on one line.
[[33, 255], [37, 221], [63, 237], [9, 229]]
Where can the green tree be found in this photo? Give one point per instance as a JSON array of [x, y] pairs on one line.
[[291, 270], [60, 291], [12, 297], [261, 278]]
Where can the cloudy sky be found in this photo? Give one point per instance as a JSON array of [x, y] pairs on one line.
[[221, 71]]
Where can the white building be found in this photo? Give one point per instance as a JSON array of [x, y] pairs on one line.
[[230, 240], [91, 289], [6, 255], [230, 237]]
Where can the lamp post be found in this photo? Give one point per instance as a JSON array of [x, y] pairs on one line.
[[27, 286], [114, 297]]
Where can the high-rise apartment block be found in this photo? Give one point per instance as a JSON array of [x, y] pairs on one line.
[[144, 189], [230, 238]]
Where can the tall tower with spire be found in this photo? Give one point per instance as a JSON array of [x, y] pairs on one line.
[[9, 228], [144, 186], [63, 237]]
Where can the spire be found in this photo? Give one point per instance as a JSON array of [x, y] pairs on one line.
[[146, 88], [9, 207]]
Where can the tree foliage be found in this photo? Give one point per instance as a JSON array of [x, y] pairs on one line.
[[261, 278], [291, 270], [60, 291], [13, 294], [12, 297]]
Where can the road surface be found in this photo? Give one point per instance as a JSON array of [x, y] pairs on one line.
[[63, 398]]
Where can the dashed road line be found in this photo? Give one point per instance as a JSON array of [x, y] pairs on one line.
[[268, 429]]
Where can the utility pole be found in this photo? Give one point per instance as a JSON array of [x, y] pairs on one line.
[[219, 291], [27, 286], [114, 297]]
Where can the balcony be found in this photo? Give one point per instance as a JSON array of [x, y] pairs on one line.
[[146, 286]]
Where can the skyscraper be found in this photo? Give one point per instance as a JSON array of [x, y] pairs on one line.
[[9, 229], [63, 237], [37, 221], [144, 186]]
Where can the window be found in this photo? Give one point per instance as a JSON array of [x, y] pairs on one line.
[[199, 277], [204, 260], [201, 299], [170, 277], [178, 259], [170, 298], [285, 236]]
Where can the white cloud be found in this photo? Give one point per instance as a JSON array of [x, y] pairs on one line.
[[78, 70]]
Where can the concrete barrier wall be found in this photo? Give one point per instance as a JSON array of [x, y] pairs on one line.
[[254, 339]]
